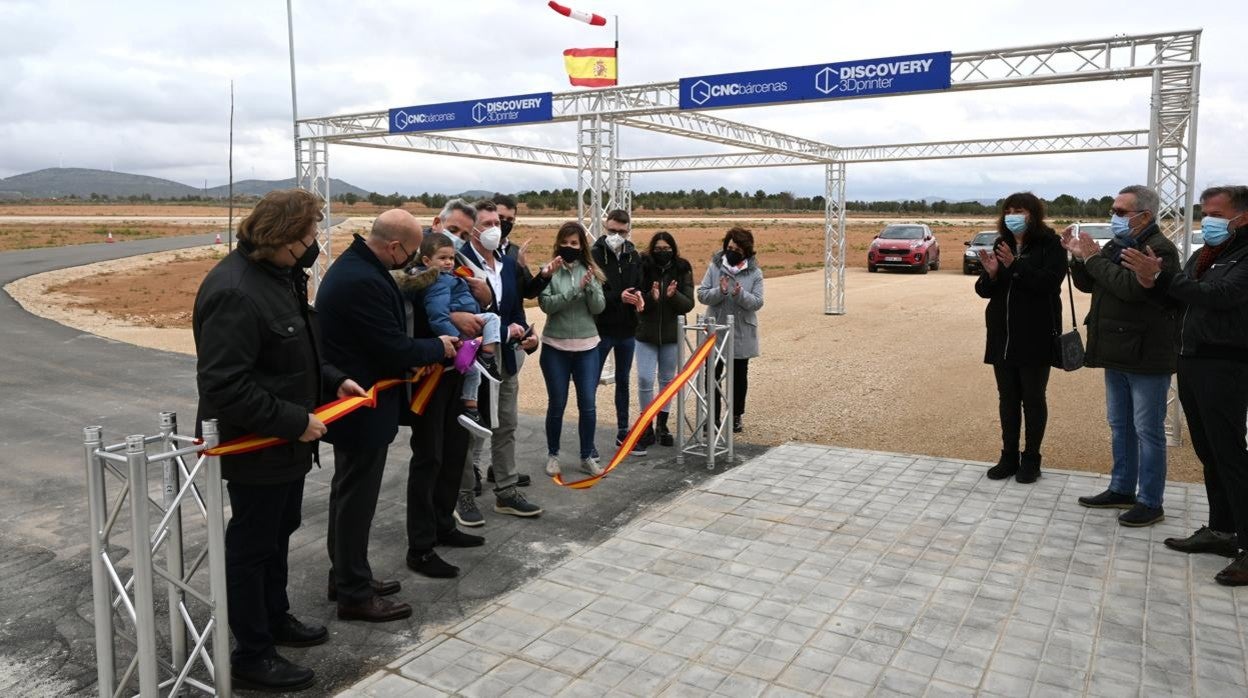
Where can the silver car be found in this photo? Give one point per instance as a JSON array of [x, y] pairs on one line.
[[983, 240]]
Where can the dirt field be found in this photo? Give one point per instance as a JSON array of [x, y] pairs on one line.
[[902, 371], [117, 209], [21, 236]]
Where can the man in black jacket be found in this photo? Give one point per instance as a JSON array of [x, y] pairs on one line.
[[617, 323], [1132, 337], [364, 332], [259, 372], [1212, 291]]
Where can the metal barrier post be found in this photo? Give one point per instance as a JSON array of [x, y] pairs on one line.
[[713, 417], [215, 503], [729, 395], [173, 544], [680, 394], [97, 500], [144, 593]]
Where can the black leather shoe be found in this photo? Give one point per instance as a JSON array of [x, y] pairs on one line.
[[1108, 499], [456, 538], [380, 587], [292, 633], [1205, 540], [375, 610], [1140, 515], [430, 565], [1235, 574], [274, 674]]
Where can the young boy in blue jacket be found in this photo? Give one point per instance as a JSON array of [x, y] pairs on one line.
[[449, 294]]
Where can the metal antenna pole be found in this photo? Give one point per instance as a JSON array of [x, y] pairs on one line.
[[229, 231], [294, 102]]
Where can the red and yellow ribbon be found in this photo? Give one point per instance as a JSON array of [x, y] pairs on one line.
[[647, 416], [426, 380]]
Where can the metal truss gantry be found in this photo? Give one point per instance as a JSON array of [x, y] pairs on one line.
[[1170, 59]]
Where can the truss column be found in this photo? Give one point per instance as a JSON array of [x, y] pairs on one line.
[[834, 239], [595, 152], [314, 177]]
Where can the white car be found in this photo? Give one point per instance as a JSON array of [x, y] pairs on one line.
[[1099, 232], [1198, 241]]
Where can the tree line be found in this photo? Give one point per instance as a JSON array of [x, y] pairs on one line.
[[723, 199]]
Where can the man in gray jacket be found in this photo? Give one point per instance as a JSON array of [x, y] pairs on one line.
[[1131, 334]]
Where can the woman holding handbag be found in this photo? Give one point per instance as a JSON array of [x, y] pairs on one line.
[[1022, 280]]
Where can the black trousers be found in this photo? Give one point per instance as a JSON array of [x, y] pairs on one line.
[[352, 503], [439, 452], [257, 541], [1020, 392], [1214, 394], [740, 384]]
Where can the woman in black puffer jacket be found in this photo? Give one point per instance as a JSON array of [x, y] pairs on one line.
[[1022, 280], [667, 282]]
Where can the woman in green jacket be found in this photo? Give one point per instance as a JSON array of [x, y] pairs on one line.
[[667, 283], [570, 343]]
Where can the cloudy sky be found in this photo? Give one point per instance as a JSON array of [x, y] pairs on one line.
[[143, 86]]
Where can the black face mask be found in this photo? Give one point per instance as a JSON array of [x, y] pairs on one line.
[[308, 258], [407, 261], [662, 257], [733, 257], [569, 254], [505, 227]]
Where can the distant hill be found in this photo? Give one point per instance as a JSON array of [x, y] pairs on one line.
[[260, 187], [61, 182]]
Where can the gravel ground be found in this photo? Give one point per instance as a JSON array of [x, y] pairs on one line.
[[901, 371]]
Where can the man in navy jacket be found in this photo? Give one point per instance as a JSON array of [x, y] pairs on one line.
[[364, 334]]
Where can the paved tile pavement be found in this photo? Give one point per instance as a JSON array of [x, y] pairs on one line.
[[830, 571]]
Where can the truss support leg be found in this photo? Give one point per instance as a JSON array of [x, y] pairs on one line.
[[314, 177], [834, 239], [1172, 173], [595, 155]]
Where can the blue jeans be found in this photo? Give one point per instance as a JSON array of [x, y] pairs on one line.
[[649, 358], [623, 347], [581, 367], [1136, 403]]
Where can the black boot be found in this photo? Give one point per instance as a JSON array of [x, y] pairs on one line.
[[1005, 467], [1028, 468], [665, 436]]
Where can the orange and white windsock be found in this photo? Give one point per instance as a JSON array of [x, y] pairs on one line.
[[586, 17]]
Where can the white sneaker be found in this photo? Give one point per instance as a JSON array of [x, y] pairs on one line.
[[552, 466], [591, 466]]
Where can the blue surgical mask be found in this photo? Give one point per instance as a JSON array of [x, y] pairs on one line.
[[1120, 226], [1215, 230], [1016, 223]]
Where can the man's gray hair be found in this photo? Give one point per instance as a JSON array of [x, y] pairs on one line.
[[1238, 195], [458, 205], [1145, 198]]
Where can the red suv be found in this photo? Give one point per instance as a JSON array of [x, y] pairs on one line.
[[905, 245]]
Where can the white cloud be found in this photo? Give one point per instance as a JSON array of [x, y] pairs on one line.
[[145, 88]]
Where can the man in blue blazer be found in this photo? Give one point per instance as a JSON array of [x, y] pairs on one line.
[[364, 333], [506, 283]]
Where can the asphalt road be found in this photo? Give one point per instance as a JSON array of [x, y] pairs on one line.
[[56, 380]]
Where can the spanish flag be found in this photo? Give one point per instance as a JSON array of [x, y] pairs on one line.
[[590, 67]]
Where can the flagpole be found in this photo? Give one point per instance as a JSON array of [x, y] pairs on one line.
[[616, 20]]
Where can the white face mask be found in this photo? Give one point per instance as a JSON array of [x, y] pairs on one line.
[[615, 241], [491, 237]]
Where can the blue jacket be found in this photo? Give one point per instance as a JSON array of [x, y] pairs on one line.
[[511, 310], [447, 295], [364, 329]]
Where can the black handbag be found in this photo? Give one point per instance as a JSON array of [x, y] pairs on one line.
[[1070, 344]]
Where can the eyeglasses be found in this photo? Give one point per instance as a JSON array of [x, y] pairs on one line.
[[1122, 212], [618, 231]]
